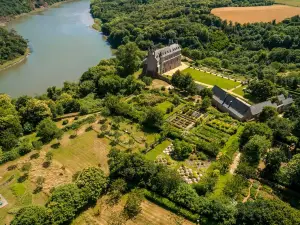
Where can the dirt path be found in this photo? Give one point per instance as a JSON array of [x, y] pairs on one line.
[[248, 196], [235, 163]]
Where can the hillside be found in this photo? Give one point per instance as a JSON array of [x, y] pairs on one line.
[[16, 7]]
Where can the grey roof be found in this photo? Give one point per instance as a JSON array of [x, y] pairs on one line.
[[257, 108], [167, 50], [233, 104], [280, 97], [287, 101]]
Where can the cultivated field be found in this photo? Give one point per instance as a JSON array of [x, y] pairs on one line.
[[256, 14]]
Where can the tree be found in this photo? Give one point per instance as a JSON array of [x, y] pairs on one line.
[[64, 202], [47, 130], [128, 57], [147, 80], [32, 215], [182, 149], [206, 103], [86, 87], [116, 189], [273, 161], [153, 117], [293, 171], [252, 129], [109, 84], [266, 212], [267, 113], [92, 182], [133, 204], [255, 147], [10, 127], [262, 89], [281, 127], [206, 92]]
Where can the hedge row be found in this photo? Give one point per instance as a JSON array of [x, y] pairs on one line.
[[171, 206]]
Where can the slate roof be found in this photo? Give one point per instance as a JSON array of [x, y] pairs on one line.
[[257, 108], [233, 104], [166, 50]]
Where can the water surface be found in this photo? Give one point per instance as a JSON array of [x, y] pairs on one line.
[[63, 46]]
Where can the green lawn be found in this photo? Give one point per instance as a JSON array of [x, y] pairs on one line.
[[288, 2], [151, 155], [239, 90], [210, 79], [164, 106]]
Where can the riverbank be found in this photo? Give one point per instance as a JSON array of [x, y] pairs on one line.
[[15, 61], [5, 20]]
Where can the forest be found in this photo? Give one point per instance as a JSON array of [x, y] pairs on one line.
[[17, 7], [260, 50], [12, 45]]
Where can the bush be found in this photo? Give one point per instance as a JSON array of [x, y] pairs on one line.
[[101, 135], [26, 167], [89, 128], [37, 145], [65, 122]]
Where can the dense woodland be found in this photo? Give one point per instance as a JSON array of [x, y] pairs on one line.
[[12, 45], [255, 50], [17, 7]]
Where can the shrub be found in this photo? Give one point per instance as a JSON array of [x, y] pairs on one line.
[[37, 145], [89, 128], [26, 167], [65, 122]]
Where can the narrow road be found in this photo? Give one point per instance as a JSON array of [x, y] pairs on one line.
[[235, 163]]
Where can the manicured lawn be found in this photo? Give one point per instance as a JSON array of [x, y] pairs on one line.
[[164, 106], [239, 90], [151, 155], [210, 79]]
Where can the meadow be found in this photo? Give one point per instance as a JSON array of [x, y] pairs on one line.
[[288, 2]]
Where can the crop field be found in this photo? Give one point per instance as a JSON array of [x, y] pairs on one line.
[[211, 79], [256, 14], [288, 2]]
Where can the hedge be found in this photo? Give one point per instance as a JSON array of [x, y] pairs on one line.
[[169, 205]]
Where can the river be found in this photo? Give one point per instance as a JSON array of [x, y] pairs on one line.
[[63, 46]]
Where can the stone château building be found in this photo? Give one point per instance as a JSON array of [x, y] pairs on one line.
[[162, 60]]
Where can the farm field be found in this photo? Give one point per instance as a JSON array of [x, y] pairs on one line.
[[255, 14], [210, 79], [288, 2]]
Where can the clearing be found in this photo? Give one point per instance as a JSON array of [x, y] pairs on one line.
[[211, 79], [256, 14]]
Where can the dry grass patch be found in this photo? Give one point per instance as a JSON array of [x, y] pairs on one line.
[[256, 14]]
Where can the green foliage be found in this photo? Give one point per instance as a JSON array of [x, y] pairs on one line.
[[255, 148], [235, 185], [147, 80], [262, 89], [206, 103], [153, 118], [293, 171], [64, 202], [133, 204], [129, 58], [267, 113], [116, 189], [47, 130], [252, 129], [12, 44], [273, 161], [32, 215], [92, 182], [182, 149], [281, 127], [184, 82], [267, 212]]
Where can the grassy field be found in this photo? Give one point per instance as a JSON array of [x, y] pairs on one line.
[[255, 14], [151, 214], [151, 155], [288, 2], [164, 106], [83, 151], [210, 79], [239, 90]]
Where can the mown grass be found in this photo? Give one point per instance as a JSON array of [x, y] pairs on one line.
[[164, 106], [151, 155], [210, 79], [239, 90]]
